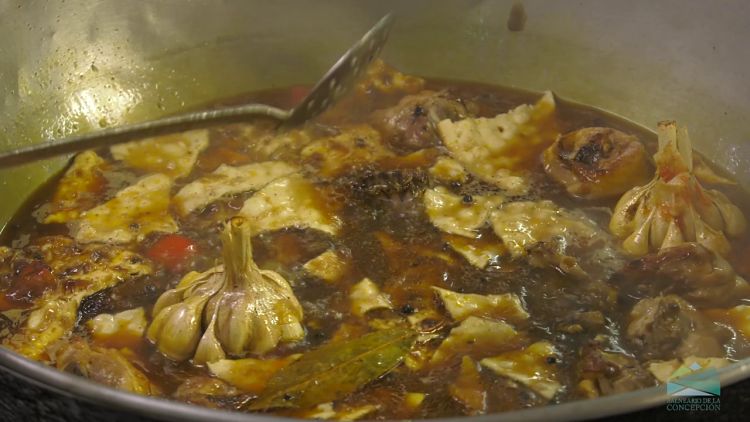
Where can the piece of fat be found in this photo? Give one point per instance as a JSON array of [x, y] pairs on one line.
[[133, 213], [531, 367], [228, 180], [522, 224], [118, 330], [496, 150], [506, 306], [477, 337], [478, 252], [290, 201], [172, 155], [452, 214], [249, 375], [448, 170], [76, 190], [329, 266], [357, 145], [366, 296]]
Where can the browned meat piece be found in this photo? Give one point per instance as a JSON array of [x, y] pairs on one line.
[[668, 327], [410, 125], [690, 270], [604, 373], [210, 392], [597, 162]]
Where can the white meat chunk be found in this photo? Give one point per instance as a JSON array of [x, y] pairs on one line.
[[497, 149], [453, 214], [172, 155], [534, 367], [133, 213], [506, 306], [290, 201], [228, 180]]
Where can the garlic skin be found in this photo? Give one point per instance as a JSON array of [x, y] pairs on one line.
[[230, 310], [674, 207]]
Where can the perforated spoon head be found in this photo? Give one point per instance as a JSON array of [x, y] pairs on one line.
[[343, 75]]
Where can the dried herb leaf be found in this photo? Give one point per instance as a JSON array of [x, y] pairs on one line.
[[336, 369]]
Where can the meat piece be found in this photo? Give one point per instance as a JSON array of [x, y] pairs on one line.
[[410, 125], [597, 162], [110, 367], [604, 373], [210, 392], [668, 327], [690, 270]]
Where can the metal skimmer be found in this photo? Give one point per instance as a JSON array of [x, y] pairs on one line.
[[334, 84]]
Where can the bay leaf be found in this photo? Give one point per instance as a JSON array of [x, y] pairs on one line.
[[336, 369]]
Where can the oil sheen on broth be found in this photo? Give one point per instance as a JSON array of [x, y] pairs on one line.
[[475, 249]]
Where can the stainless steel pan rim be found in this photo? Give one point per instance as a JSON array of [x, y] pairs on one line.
[[81, 388]]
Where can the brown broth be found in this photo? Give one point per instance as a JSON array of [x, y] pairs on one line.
[[405, 273]]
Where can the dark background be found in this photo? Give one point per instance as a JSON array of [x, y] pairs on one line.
[[21, 401]]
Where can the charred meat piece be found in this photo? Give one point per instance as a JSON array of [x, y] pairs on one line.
[[667, 327], [689, 270], [597, 162], [410, 125], [141, 291]]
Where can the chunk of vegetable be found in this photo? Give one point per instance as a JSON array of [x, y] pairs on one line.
[[497, 149], [534, 367], [172, 251], [233, 309], [597, 162], [507, 306], [133, 213], [458, 215], [172, 155], [290, 201], [366, 296], [674, 207], [77, 189], [228, 180]]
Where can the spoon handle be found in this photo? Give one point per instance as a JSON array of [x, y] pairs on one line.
[[127, 133]]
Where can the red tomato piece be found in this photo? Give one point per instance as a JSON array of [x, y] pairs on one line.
[[172, 250]]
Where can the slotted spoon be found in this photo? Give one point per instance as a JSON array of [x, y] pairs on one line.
[[335, 83]]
